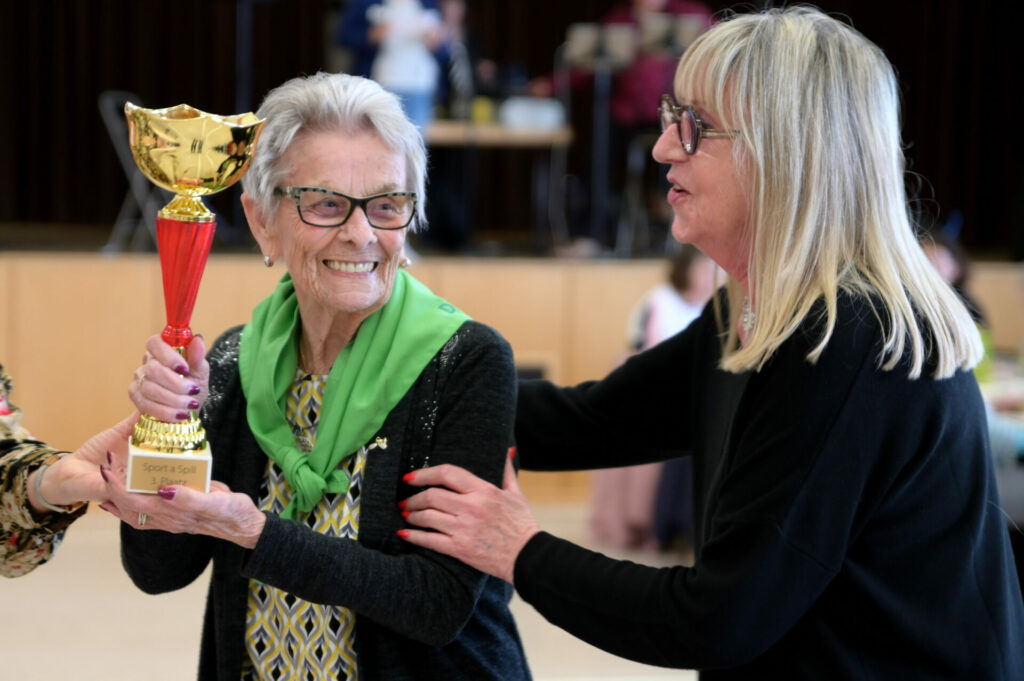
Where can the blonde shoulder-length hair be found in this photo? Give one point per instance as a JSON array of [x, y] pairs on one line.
[[816, 107]]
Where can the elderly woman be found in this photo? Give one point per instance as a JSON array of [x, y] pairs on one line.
[[847, 520], [42, 489], [348, 375]]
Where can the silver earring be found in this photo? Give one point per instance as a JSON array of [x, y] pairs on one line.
[[405, 262], [267, 261]]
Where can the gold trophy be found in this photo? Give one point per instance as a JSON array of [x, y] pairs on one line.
[[191, 153]]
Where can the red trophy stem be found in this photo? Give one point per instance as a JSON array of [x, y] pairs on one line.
[[184, 247]]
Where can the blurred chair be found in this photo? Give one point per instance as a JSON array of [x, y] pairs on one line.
[[135, 226], [634, 232]]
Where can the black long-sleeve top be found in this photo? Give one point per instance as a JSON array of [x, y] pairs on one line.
[[847, 519], [419, 614]]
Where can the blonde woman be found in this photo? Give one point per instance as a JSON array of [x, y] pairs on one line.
[[847, 521]]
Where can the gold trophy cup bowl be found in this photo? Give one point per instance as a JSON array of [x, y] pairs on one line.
[[193, 154]]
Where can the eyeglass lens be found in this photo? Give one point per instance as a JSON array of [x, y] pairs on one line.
[[329, 210], [685, 122]]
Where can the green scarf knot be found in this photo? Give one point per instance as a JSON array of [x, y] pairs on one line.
[[369, 377]]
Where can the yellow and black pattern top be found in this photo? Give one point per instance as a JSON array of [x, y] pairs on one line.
[[287, 638]]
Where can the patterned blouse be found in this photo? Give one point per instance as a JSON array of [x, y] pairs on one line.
[[25, 542], [287, 637]]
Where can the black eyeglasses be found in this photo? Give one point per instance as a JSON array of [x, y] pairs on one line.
[[326, 208], [689, 126]]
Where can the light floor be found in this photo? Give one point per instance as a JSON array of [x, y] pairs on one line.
[[80, 619]]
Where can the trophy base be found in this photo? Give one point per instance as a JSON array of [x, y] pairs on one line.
[[148, 471]]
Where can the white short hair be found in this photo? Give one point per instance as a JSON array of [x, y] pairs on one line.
[[330, 101]]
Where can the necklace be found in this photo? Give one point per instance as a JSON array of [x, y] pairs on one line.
[[307, 367], [747, 317]]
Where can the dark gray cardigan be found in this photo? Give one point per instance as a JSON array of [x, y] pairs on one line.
[[419, 615]]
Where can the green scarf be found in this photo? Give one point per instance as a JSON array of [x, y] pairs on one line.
[[372, 373]]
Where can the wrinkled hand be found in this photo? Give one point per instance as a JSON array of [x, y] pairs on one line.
[[168, 386], [220, 513], [76, 477], [482, 525]]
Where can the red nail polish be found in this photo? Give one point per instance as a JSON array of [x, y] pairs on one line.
[[511, 452], [403, 533], [409, 476], [103, 473], [182, 369], [181, 415], [405, 514], [401, 504], [110, 457], [192, 404], [194, 390], [166, 493]]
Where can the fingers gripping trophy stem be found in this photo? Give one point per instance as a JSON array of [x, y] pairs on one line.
[[163, 453]]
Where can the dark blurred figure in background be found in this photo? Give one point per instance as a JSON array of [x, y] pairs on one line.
[[452, 168], [459, 74], [636, 87], [1004, 410], [1005, 433]]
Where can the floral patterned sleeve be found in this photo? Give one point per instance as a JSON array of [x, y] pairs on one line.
[[25, 541]]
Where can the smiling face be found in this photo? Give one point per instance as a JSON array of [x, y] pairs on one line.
[[341, 274], [709, 203]]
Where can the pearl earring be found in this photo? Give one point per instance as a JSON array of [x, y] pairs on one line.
[[267, 261]]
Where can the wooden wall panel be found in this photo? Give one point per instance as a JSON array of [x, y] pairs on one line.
[[428, 271], [523, 299], [6, 308], [70, 388], [79, 325], [602, 298], [74, 325], [999, 290], [232, 286]]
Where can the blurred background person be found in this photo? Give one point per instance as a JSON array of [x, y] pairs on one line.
[[459, 59], [632, 103], [393, 42], [454, 170], [649, 506], [1005, 432]]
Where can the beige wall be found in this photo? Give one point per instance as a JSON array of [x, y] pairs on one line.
[[74, 325], [999, 290]]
